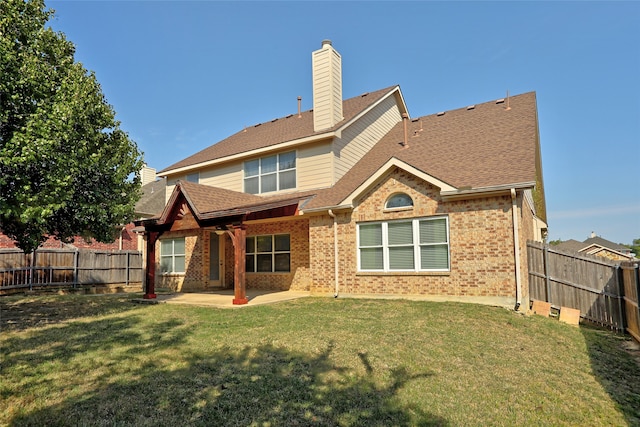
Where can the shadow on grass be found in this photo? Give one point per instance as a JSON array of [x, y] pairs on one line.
[[616, 368], [254, 385], [19, 313]]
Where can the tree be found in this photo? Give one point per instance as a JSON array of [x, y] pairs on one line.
[[635, 247], [66, 167]]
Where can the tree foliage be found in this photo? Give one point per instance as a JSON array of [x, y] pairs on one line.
[[635, 247], [66, 167]]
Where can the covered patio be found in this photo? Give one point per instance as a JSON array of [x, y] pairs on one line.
[[225, 213]]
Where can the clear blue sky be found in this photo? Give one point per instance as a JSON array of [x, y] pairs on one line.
[[184, 75]]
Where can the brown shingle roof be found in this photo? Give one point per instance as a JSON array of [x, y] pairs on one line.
[[206, 199], [488, 145], [152, 200], [277, 131], [484, 146]]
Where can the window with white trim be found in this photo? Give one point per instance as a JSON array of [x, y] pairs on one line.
[[273, 173], [268, 254], [172, 255], [420, 244], [399, 200]]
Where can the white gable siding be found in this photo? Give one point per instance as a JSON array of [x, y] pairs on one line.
[[313, 170], [358, 138], [314, 166], [228, 176]]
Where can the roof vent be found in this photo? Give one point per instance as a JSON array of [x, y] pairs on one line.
[[441, 113], [364, 94], [500, 101], [471, 107]]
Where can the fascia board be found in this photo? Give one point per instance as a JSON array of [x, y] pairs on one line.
[[384, 170], [485, 191], [325, 209]]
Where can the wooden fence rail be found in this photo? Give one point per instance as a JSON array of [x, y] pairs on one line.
[[68, 268], [602, 289]]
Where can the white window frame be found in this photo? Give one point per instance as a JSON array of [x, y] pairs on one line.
[[172, 255], [253, 252], [415, 223], [400, 207], [277, 173]]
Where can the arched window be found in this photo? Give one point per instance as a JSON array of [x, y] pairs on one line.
[[400, 200]]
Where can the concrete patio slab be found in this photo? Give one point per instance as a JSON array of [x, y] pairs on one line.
[[224, 298]]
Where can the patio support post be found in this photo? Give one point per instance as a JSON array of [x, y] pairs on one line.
[[150, 276], [238, 236]]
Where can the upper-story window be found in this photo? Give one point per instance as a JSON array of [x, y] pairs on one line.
[[273, 173], [194, 177], [400, 200]]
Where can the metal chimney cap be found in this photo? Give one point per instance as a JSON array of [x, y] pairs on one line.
[[326, 42]]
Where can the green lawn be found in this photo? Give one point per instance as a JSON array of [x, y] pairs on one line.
[[103, 360]]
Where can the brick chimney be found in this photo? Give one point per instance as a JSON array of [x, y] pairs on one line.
[[327, 87]]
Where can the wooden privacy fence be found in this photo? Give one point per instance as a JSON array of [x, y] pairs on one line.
[[603, 290], [631, 280], [68, 268]]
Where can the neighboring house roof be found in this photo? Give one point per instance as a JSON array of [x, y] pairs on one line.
[[152, 200], [285, 129], [570, 245], [469, 148], [606, 244], [594, 246]]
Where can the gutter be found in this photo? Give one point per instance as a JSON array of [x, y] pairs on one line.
[[485, 191], [324, 209], [335, 252], [516, 247]]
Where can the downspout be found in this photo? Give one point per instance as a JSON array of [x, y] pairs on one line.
[[335, 252], [516, 247]]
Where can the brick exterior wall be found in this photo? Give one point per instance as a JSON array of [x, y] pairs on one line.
[[193, 278], [481, 248], [481, 245], [299, 278], [197, 260]]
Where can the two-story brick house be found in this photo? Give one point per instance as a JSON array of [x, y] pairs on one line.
[[357, 197]]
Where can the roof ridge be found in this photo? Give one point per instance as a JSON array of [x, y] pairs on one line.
[[275, 131]]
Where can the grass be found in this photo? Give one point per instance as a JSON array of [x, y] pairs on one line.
[[102, 360]]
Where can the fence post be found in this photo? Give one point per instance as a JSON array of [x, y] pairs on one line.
[[31, 268], [128, 268], [545, 262], [620, 292], [76, 255]]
